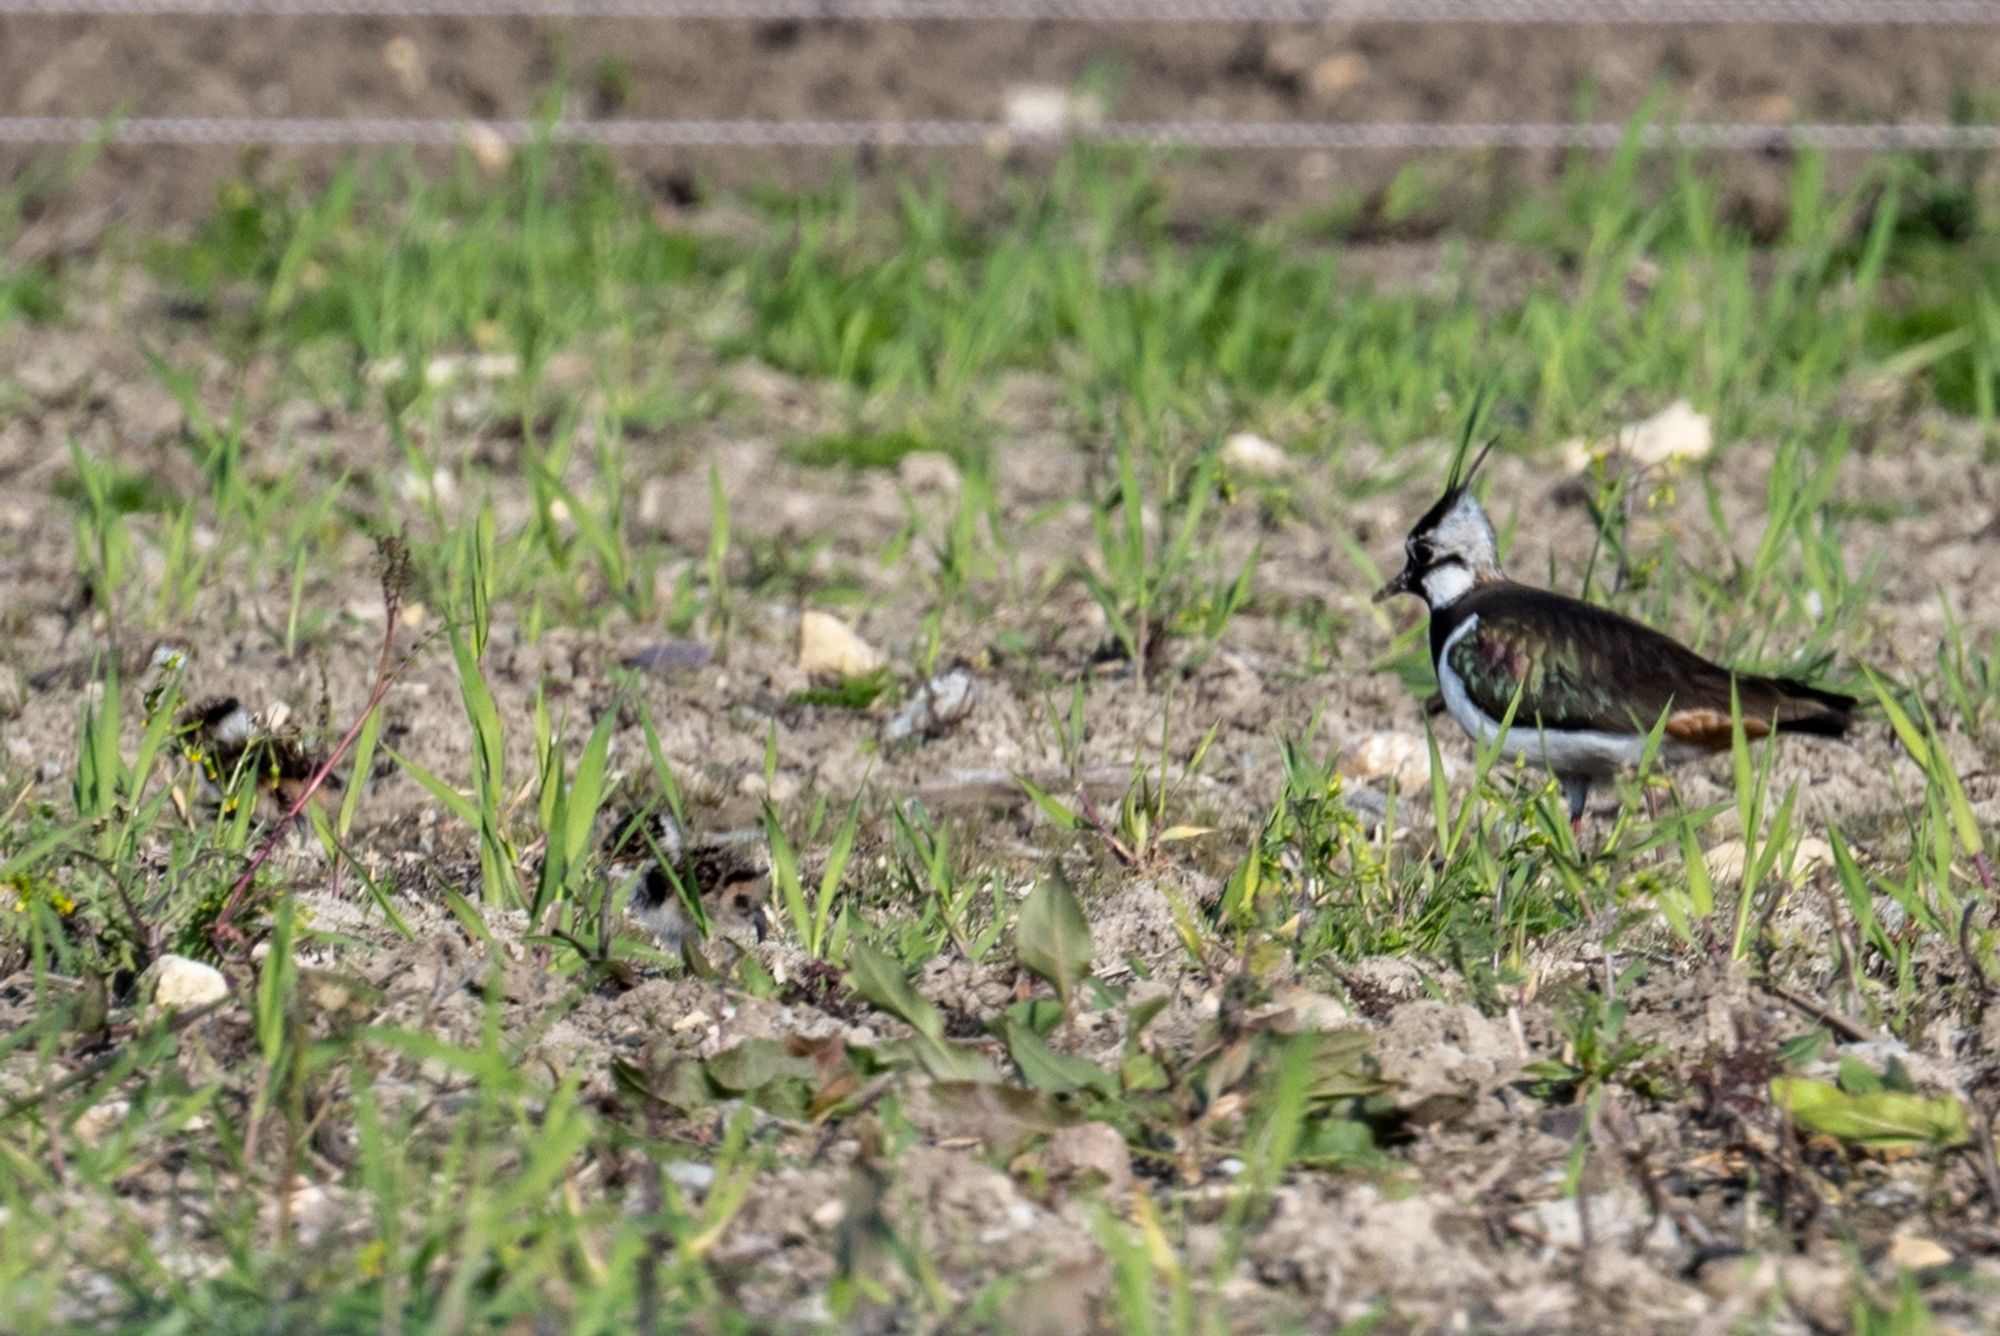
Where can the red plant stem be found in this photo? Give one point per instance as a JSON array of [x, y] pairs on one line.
[[386, 674]]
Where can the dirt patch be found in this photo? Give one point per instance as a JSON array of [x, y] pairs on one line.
[[1575, 1131], [454, 68]]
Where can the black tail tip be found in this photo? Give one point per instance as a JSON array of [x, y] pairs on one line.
[[1834, 716], [1827, 725]]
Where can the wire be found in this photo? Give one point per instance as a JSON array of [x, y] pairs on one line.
[[1852, 13], [238, 131]]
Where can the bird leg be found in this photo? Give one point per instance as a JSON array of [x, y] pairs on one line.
[[1576, 788]]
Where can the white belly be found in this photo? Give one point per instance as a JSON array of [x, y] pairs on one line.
[[1570, 752]]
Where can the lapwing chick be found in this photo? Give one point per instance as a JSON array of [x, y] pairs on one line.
[[653, 855], [1592, 684], [231, 749]]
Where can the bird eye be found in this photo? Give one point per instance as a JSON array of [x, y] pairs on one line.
[[1420, 552]]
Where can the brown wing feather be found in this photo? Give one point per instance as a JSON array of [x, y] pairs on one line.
[[1577, 666], [1580, 666]]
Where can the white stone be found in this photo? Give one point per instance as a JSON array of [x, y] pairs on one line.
[[1725, 860], [180, 983], [406, 62], [1812, 855], [1914, 1252], [691, 1175], [437, 487], [1675, 432], [780, 789], [1310, 1010], [100, 1120], [829, 645], [488, 148], [1044, 111], [657, 498], [1619, 1217], [448, 367], [1402, 757], [938, 705], [1337, 74], [317, 1211], [384, 370], [1248, 452]]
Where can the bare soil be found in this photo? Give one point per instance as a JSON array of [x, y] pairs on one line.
[[454, 68], [1699, 1210], [1698, 1207]]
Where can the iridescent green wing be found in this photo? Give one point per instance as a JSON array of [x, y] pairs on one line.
[[1572, 670]]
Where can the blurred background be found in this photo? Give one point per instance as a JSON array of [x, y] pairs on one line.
[[686, 88]]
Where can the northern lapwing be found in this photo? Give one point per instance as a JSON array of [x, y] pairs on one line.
[[1592, 684], [650, 852], [233, 751]]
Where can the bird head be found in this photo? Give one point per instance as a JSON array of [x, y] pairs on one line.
[[1451, 549]]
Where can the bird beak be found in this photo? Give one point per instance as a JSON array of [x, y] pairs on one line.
[[1404, 583]]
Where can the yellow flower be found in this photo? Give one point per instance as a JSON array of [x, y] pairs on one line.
[[29, 890]]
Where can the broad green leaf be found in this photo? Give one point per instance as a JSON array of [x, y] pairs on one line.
[[953, 1062], [1806, 1048], [470, 918], [1051, 938], [1241, 891], [1281, 1112], [1701, 892], [1341, 1064], [1337, 1140], [488, 736], [1046, 1069], [1040, 1014], [1007, 1118], [755, 1063], [1918, 357], [881, 981], [1142, 1072], [486, 1065], [1911, 736], [1858, 1078], [1882, 1119], [683, 1085]]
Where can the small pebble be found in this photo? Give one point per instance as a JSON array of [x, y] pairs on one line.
[[180, 983], [669, 656], [934, 708], [691, 1175], [829, 645], [1247, 452]]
